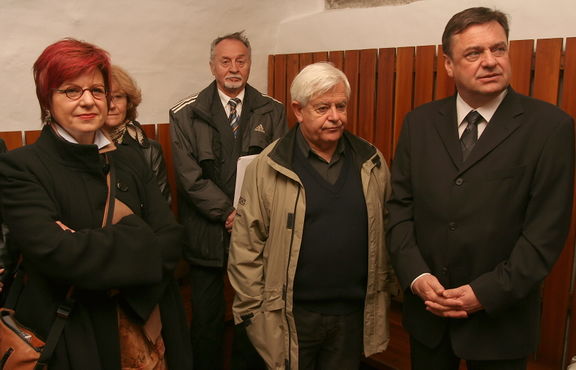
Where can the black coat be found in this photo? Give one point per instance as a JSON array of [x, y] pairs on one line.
[[205, 157], [497, 221], [53, 180]]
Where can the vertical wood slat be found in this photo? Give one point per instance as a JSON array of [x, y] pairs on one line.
[[385, 102], [271, 69], [424, 78], [367, 94], [521, 52], [320, 56], [149, 130], [568, 103], [351, 66], [547, 70], [555, 306], [31, 136], [292, 69], [12, 139], [444, 83], [306, 59], [337, 58], [404, 87], [280, 77], [163, 138]]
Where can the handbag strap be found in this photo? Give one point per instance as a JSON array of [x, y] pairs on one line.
[[111, 198], [62, 314], [65, 308]]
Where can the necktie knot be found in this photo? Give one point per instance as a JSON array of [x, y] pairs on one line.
[[473, 117], [233, 103]]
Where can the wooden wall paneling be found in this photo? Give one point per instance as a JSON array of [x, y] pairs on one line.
[[292, 69], [12, 139], [351, 66], [404, 85], [306, 59], [270, 75], [568, 99], [547, 70], [320, 56], [385, 102], [31, 136], [557, 284], [568, 103], [337, 58], [367, 93], [521, 55], [149, 130], [163, 137], [280, 78], [424, 74], [444, 84]]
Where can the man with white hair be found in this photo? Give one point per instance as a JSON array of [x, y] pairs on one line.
[[307, 256]]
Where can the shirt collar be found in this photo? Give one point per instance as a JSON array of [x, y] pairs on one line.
[[307, 151], [99, 138], [225, 98], [487, 110]]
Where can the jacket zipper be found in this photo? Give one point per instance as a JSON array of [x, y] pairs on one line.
[[284, 293]]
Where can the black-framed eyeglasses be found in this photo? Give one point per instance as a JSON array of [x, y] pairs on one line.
[[75, 93]]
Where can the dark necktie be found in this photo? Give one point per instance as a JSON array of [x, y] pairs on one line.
[[470, 134], [233, 119]]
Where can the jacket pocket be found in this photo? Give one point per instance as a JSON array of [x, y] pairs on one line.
[[267, 332]]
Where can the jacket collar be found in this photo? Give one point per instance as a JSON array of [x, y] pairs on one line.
[[253, 101], [84, 157], [283, 152], [506, 120]]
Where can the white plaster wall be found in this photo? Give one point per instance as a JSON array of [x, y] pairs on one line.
[[418, 23], [165, 44]]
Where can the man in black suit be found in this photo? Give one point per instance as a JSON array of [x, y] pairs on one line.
[[482, 192]]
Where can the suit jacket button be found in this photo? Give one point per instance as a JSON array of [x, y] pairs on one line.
[[452, 226], [459, 181]]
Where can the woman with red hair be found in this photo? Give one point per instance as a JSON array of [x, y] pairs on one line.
[[90, 223]]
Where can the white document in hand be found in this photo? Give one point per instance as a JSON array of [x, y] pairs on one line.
[[243, 162]]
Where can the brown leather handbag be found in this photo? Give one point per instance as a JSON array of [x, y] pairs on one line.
[[20, 347]]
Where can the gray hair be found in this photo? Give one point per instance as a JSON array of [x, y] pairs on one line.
[[316, 79], [240, 36]]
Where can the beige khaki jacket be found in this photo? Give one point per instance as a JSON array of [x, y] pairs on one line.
[[266, 242]]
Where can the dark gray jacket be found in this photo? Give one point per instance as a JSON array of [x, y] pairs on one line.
[[205, 155]]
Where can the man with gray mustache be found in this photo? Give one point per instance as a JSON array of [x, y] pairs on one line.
[[210, 131]]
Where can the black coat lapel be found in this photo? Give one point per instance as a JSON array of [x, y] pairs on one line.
[[505, 121], [446, 125]]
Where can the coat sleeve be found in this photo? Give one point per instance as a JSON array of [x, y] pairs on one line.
[[133, 252], [401, 239], [158, 165], [195, 186], [281, 124], [169, 237], [545, 227], [249, 236]]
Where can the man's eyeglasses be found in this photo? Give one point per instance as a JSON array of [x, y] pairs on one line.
[[75, 93]]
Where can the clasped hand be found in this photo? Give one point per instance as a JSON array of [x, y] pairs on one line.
[[457, 303]]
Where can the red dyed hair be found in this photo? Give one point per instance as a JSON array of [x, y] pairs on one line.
[[65, 60]]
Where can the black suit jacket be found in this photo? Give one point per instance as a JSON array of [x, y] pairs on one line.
[[497, 221]]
